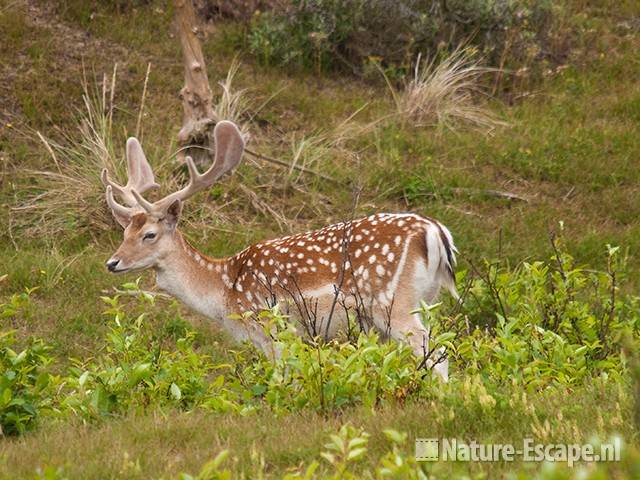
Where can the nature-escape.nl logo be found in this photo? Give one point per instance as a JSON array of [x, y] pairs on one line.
[[451, 449]]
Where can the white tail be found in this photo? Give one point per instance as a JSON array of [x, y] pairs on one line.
[[380, 267]]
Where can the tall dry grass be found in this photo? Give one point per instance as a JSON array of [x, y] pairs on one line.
[[232, 104], [446, 93], [69, 195]]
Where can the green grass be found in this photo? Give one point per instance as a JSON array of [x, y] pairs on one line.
[[165, 443], [572, 150]]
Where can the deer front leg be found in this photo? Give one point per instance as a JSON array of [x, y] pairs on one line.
[[247, 329]]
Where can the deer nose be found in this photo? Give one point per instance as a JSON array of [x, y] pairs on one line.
[[112, 264]]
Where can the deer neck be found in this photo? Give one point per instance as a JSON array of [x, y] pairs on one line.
[[195, 279]]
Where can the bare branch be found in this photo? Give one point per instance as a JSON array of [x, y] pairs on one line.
[[295, 167]]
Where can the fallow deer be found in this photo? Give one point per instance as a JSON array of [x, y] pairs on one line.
[[385, 262]]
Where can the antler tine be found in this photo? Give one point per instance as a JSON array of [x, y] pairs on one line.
[[115, 206], [197, 182], [139, 174], [148, 206], [124, 192], [229, 148]]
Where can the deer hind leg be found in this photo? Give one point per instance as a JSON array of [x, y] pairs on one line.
[[410, 329]]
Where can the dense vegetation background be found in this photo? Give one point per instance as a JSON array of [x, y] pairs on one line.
[[532, 164]]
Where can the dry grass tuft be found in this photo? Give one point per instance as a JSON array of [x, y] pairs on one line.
[[232, 104], [445, 94], [312, 152], [307, 153], [69, 196]]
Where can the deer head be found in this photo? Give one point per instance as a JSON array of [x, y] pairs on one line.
[[149, 227]]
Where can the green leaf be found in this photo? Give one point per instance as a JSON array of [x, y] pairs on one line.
[[6, 396], [356, 442], [395, 436], [258, 390], [356, 453], [19, 358], [220, 458], [337, 442], [444, 337], [175, 391], [83, 378], [329, 457]]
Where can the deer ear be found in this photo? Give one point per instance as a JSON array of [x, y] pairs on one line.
[[173, 213]]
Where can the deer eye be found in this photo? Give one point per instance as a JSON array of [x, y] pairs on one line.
[[149, 236]]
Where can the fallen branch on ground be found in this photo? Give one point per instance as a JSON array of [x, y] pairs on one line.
[[295, 167], [135, 293], [491, 193]]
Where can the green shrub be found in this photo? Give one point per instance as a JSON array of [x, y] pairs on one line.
[[331, 376], [24, 384], [546, 322], [352, 35], [540, 325]]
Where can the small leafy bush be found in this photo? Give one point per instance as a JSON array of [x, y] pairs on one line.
[[25, 384], [18, 303], [135, 372]]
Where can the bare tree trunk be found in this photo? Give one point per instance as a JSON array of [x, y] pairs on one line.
[[196, 135], [199, 118]]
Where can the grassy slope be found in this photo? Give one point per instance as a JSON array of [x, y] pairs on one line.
[[572, 150]]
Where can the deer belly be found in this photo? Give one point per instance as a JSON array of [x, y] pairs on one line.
[[327, 314]]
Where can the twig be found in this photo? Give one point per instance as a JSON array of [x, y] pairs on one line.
[[264, 207], [474, 192], [568, 194], [276, 161], [464, 212], [609, 315], [558, 256], [50, 150], [144, 94], [135, 293], [346, 240], [491, 193], [493, 290], [301, 168]]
